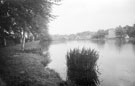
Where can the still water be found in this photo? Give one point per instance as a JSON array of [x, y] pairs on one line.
[[116, 60]]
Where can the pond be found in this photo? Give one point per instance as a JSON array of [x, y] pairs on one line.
[[116, 61]]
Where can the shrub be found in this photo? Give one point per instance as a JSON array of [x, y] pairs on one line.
[[82, 67]]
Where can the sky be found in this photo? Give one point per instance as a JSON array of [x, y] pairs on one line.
[[75, 16]]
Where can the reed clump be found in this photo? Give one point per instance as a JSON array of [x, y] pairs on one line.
[[82, 67]]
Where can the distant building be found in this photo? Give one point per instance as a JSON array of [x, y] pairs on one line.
[[111, 33]]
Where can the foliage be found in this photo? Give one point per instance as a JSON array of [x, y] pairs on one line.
[[81, 67], [130, 30], [99, 34], [24, 16], [120, 32]]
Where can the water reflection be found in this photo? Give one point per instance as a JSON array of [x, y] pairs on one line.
[[134, 48], [82, 68], [44, 47], [119, 43], [100, 43], [116, 62]]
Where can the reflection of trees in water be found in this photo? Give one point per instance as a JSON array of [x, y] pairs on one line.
[[100, 43], [82, 68], [132, 41], [44, 47], [119, 42], [134, 48]]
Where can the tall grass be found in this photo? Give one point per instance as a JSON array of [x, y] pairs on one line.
[[82, 67]]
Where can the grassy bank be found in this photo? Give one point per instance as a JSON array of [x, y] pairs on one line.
[[26, 68]]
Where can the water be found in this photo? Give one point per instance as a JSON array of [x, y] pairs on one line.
[[116, 62]]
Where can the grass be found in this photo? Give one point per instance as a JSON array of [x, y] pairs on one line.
[[82, 67], [26, 68]]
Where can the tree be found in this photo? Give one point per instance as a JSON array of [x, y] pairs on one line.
[[120, 32], [100, 34], [130, 30], [24, 16]]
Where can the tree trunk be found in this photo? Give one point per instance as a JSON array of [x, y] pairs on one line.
[[23, 41]]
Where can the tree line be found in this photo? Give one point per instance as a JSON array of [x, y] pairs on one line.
[[127, 30], [119, 31]]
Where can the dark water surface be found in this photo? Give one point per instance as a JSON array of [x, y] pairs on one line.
[[116, 61]]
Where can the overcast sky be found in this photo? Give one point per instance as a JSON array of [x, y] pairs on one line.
[[91, 15]]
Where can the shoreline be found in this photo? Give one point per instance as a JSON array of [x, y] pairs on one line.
[[26, 68]]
